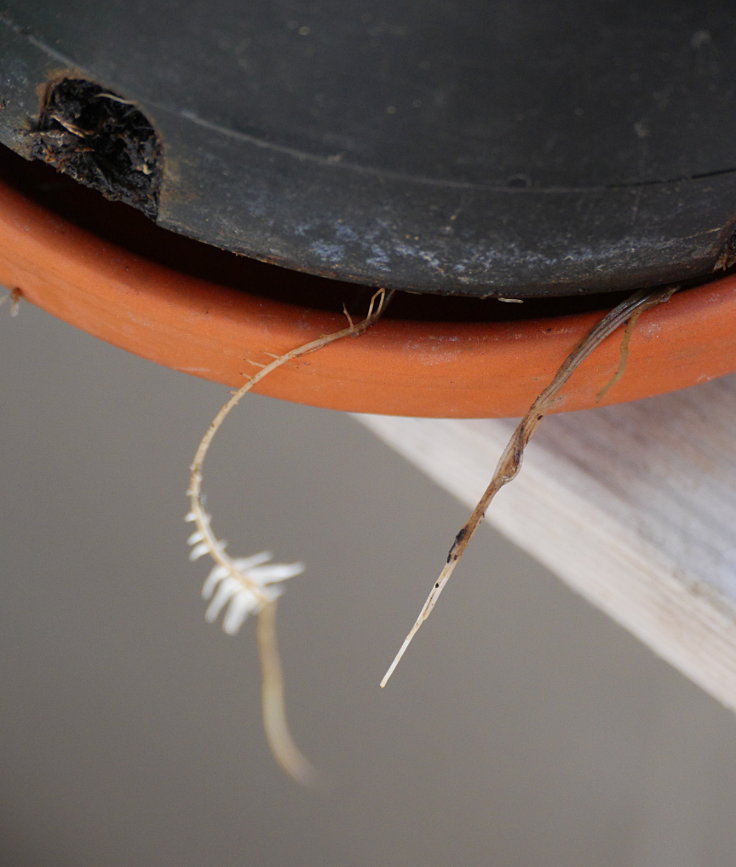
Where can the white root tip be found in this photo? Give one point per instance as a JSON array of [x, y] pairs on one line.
[[397, 659]]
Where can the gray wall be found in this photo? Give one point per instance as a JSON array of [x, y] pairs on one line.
[[522, 728]]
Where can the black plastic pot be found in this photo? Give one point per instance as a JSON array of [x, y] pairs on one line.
[[516, 148]]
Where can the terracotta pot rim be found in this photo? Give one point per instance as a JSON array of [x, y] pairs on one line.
[[441, 369]]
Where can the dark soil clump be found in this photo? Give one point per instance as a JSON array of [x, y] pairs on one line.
[[102, 141]]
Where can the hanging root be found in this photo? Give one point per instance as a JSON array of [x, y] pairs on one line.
[[273, 708], [510, 461], [623, 356], [14, 296], [249, 585]]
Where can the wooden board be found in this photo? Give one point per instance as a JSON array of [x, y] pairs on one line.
[[633, 506]]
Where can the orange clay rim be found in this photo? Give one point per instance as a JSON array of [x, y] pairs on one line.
[[460, 370]]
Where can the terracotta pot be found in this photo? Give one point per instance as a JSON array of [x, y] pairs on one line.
[[421, 368]]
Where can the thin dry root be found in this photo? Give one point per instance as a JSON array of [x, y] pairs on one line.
[[14, 296], [274, 715], [510, 461], [623, 357], [273, 706]]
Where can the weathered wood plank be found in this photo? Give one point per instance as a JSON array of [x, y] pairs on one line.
[[634, 506]]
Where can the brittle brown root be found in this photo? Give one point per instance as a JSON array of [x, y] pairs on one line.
[[510, 462]]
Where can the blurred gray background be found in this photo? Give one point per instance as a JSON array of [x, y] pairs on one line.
[[523, 728]]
